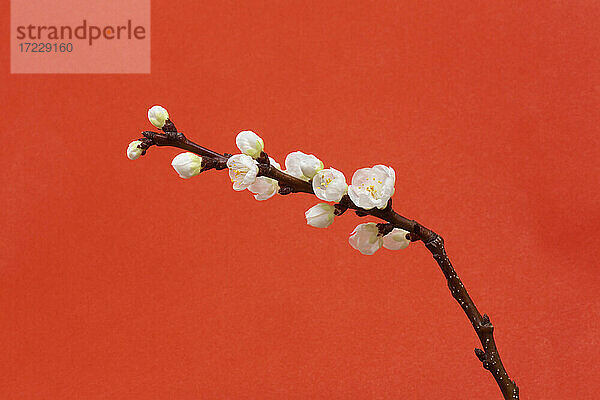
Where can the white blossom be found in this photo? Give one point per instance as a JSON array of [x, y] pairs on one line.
[[320, 216], [365, 238], [264, 188], [310, 165], [302, 166], [329, 184], [242, 171], [187, 165], [249, 143], [157, 116], [396, 239], [372, 187], [133, 150]]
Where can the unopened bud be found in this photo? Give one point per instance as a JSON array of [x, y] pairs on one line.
[[133, 150], [157, 116], [187, 165], [249, 143]]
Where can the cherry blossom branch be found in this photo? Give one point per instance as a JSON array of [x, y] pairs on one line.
[[305, 174]]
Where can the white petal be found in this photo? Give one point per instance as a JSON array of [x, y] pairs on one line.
[[187, 165], [329, 185], [292, 165], [310, 165], [365, 238], [361, 175], [396, 239], [133, 150], [264, 188], [249, 143], [320, 216], [243, 170], [372, 187], [157, 115]]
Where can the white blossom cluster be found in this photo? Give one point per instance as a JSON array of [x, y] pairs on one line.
[[370, 187]]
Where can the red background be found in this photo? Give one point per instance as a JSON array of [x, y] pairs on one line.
[[119, 280]]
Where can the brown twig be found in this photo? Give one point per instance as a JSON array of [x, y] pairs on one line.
[[489, 355]]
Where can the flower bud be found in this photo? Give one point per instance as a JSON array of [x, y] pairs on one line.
[[365, 238], [133, 150], [320, 216], [310, 165], [396, 239], [187, 165], [157, 116], [249, 143]]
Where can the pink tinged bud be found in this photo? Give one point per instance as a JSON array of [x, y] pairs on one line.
[[396, 239], [365, 238]]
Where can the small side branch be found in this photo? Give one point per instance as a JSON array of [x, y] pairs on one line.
[[178, 139]]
